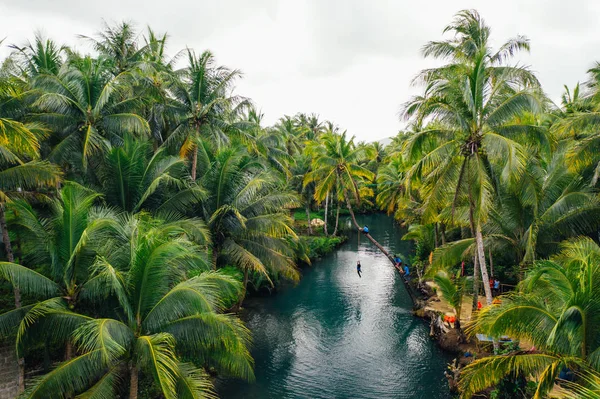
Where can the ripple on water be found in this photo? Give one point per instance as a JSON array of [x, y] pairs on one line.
[[336, 335]]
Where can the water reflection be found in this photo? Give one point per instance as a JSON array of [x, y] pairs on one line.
[[336, 335]]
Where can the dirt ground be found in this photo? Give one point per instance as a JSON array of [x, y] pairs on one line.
[[450, 341]]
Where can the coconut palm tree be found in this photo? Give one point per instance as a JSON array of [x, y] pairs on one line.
[[21, 171], [336, 164], [43, 56], [202, 97], [452, 288], [118, 44], [390, 185], [548, 203], [475, 102], [266, 143], [87, 108], [311, 125], [245, 210], [167, 324], [133, 177], [300, 169], [556, 309], [293, 134]]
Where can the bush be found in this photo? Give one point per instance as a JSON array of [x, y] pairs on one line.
[[319, 246]]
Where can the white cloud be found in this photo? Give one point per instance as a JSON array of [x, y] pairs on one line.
[[349, 61]]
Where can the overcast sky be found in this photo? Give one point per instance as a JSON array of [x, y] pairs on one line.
[[349, 61]]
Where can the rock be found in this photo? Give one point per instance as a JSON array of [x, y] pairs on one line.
[[317, 222]]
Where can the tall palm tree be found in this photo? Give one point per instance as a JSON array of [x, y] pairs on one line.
[[245, 210], [475, 101], [202, 97], [43, 56], [167, 325], [119, 45], [300, 169], [452, 289], [87, 108], [337, 165], [21, 171], [548, 203], [311, 125], [390, 184], [133, 177], [266, 143], [556, 309], [292, 133]]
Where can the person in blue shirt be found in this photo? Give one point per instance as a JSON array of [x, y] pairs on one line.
[[358, 270], [405, 270], [398, 261], [366, 229]]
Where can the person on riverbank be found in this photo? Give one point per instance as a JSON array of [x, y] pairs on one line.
[[398, 261], [358, 269]]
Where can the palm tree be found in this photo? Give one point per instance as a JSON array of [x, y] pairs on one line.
[[20, 168], [166, 325], [43, 56], [336, 165], [390, 185], [311, 125], [292, 133], [202, 97], [475, 102], [119, 44], [452, 289], [548, 203], [300, 169], [87, 108], [154, 75], [61, 245], [556, 309], [133, 177], [266, 143], [245, 210]]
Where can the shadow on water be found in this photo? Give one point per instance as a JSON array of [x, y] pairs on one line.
[[336, 335]]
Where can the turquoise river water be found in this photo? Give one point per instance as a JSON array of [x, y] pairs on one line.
[[335, 335]]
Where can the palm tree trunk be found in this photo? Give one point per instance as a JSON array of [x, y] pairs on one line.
[[386, 253], [69, 351], [194, 162], [9, 251], [307, 207], [326, 210], [215, 256], [133, 383], [443, 233], [11, 258], [435, 235], [475, 282], [491, 262], [337, 219], [238, 305], [484, 274]]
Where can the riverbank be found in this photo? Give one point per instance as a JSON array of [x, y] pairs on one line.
[[465, 349]]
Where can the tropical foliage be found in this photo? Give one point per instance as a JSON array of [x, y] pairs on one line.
[[129, 191], [141, 197]]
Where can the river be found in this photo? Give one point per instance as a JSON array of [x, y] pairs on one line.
[[335, 335]]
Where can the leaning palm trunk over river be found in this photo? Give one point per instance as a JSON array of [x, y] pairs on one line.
[[379, 246]]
